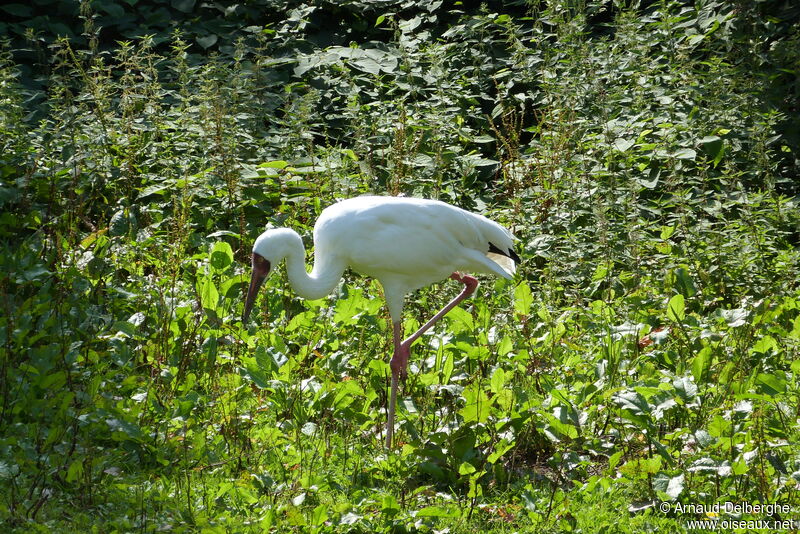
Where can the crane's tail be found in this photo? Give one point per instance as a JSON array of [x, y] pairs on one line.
[[505, 263]]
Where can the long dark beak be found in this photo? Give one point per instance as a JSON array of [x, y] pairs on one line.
[[261, 269]]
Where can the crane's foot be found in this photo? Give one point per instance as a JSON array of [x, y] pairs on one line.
[[469, 281]]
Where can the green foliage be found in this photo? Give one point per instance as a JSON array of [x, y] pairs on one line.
[[646, 353]]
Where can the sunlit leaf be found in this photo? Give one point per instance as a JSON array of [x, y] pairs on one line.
[[685, 153], [209, 296], [221, 255], [498, 380], [771, 383], [676, 308], [523, 299], [765, 344], [623, 145], [701, 364], [477, 404], [734, 318], [438, 511]]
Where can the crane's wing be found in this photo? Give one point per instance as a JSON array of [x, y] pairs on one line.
[[414, 240]]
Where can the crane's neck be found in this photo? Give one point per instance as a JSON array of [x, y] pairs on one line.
[[323, 277]]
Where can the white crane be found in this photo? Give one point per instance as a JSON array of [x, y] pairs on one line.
[[406, 243]]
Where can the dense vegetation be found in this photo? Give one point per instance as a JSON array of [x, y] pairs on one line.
[[645, 154]]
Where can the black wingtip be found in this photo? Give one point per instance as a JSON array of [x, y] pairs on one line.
[[509, 253]]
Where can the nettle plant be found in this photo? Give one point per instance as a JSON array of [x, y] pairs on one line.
[[647, 350]]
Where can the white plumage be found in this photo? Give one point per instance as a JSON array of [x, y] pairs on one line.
[[406, 243]]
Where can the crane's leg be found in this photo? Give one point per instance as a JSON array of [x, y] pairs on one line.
[[395, 364], [402, 349]]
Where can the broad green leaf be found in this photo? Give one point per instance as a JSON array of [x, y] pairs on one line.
[[743, 407], [319, 515], [432, 470], [389, 504], [277, 164], [113, 9], [438, 511], [684, 283], [207, 41], [675, 486], [54, 381], [466, 468], [348, 309], [718, 427], [160, 188], [186, 6], [350, 154], [35, 273], [734, 318], [727, 372], [649, 182], [8, 471], [692, 40], [461, 320], [795, 333], [122, 430], [255, 372], [498, 380], [614, 459], [475, 488], [676, 310], [476, 408], [209, 296], [633, 401], [714, 147], [771, 384], [701, 364], [641, 467], [710, 465], [346, 393], [561, 428], [230, 288], [523, 299], [765, 345], [121, 223], [739, 467], [350, 518], [505, 346], [75, 470], [500, 449], [686, 388], [624, 144], [221, 256], [368, 65], [667, 231], [447, 368]]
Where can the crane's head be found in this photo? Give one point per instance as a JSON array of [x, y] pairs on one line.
[[269, 249]]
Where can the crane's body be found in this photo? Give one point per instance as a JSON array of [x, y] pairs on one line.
[[406, 243]]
